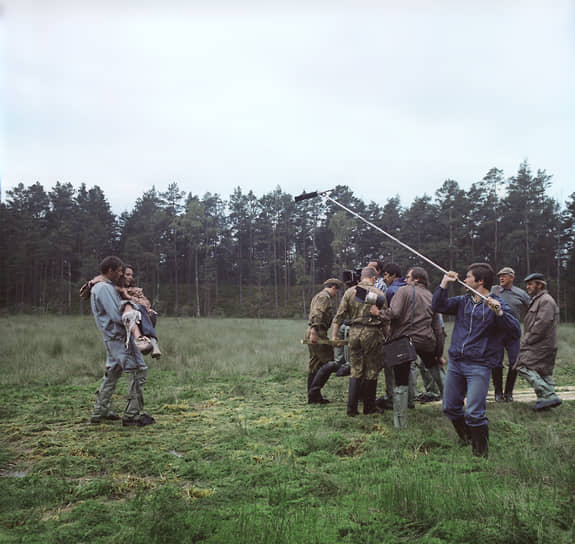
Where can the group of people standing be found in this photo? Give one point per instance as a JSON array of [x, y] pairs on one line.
[[486, 324]]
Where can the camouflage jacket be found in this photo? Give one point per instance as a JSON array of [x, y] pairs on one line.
[[321, 312]]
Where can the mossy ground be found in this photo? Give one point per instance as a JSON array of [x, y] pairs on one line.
[[237, 455]]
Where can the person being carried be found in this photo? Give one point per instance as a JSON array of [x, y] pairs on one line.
[[122, 356], [481, 327], [139, 317]]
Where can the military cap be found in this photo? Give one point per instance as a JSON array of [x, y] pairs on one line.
[[536, 276], [332, 281], [506, 270]]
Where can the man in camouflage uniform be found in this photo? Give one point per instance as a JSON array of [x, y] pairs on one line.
[[365, 340], [538, 349], [321, 313]]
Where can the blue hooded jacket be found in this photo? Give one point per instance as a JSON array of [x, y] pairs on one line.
[[392, 289], [478, 334]]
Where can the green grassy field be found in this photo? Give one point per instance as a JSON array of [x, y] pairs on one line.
[[238, 456]]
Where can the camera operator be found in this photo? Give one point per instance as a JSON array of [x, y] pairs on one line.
[[366, 337]]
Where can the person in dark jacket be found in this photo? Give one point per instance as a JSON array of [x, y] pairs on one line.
[[538, 349], [482, 325], [393, 279], [518, 300], [411, 315]]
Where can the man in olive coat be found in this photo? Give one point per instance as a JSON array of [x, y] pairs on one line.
[[321, 313], [538, 349]]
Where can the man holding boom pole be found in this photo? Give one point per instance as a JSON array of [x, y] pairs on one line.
[[482, 324]]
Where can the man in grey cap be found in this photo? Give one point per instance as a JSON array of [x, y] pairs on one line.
[[517, 299], [538, 350], [321, 312]]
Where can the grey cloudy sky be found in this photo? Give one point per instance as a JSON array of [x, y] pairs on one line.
[[386, 97]]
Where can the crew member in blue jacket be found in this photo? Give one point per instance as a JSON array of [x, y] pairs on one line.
[[482, 325]]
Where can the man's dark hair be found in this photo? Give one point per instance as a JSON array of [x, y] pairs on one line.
[[482, 272], [392, 269], [419, 275], [379, 267], [110, 263]]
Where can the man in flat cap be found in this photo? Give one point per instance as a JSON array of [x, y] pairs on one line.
[[538, 349], [321, 312], [518, 301]]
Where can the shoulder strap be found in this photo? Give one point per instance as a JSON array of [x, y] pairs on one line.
[[412, 308]]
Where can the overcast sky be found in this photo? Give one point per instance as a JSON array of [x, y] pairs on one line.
[[385, 97]]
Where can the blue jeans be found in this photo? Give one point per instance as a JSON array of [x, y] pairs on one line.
[[471, 380], [146, 325], [512, 347]]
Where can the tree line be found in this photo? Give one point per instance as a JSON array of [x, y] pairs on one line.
[[265, 257]]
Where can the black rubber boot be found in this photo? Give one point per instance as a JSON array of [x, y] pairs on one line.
[[314, 391], [480, 440], [462, 430], [497, 375], [310, 378], [510, 384], [353, 396], [369, 391]]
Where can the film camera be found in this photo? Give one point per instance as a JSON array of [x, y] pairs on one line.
[[351, 277], [368, 297]]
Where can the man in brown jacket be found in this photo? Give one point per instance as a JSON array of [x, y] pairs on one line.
[[538, 349], [411, 315]]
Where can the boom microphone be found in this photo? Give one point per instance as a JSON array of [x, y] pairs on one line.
[[305, 196]]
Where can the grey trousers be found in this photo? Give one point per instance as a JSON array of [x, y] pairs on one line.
[[544, 386], [135, 397]]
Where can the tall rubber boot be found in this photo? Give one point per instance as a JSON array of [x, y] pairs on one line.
[[386, 402], [156, 353], [369, 392], [462, 430], [480, 440], [438, 375], [323, 374], [413, 373], [310, 378], [497, 375], [509, 385], [400, 405], [352, 396]]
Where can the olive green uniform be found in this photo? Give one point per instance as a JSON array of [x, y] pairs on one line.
[[366, 335], [321, 313]]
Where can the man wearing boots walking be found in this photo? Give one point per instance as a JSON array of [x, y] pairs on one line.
[[538, 349], [321, 357], [107, 309], [366, 337], [481, 326], [517, 300]]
